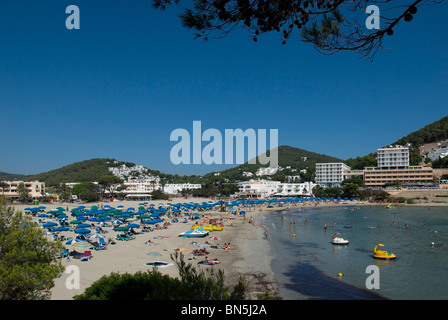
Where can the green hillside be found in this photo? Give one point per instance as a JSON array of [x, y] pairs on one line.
[[434, 132], [4, 176], [93, 169], [83, 171], [287, 156]]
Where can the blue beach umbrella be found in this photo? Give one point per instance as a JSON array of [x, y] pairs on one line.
[[153, 221], [49, 225], [121, 229], [83, 225], [82, 231], [155, 215], [61, 229]]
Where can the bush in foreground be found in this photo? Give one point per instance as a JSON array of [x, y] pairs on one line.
[[28, 264], [152, 285]]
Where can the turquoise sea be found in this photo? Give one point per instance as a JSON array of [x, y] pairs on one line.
[[307, 265]]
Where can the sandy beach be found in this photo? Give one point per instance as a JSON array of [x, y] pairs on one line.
[[250, 256]]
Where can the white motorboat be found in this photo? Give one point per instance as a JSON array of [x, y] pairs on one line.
[[338, 240]]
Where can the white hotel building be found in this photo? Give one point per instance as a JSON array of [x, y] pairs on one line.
[[393, 158], [169, 188], [175, 188], [330, 174], [267, 188]]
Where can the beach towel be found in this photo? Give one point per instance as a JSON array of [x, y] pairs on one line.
[[209, 262]]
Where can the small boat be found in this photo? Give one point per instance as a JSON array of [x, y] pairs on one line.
[[380, 254], [211, 227], [208, 227], [338, 240], [196, 233]]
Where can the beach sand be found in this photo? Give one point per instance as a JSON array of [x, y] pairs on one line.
[[250, 256]]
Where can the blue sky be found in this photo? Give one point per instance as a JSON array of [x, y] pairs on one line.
[[121, 84]]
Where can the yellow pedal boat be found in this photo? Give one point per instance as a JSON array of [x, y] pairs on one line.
[[380, 254], [211, 227], [208, 227]]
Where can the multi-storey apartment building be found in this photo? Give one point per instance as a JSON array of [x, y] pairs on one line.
[[393, 166], [393, 158], [378, 177], [36, 189], [330, 174]]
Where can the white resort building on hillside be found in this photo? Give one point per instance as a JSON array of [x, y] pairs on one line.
[[393, 158], [393, 167]]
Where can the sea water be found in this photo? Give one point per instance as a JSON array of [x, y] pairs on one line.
[[307, 265]]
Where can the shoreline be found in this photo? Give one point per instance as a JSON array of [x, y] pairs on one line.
[[262, 274], [251, 258], [131, 256]]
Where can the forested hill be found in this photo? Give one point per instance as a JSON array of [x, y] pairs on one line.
[[287, 157], [83, 171], [4, 176], [92, 170], [434, 132]]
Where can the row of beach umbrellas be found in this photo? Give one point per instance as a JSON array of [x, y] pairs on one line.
[[150, 215]]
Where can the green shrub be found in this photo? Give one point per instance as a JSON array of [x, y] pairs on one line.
[[152, 285]]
